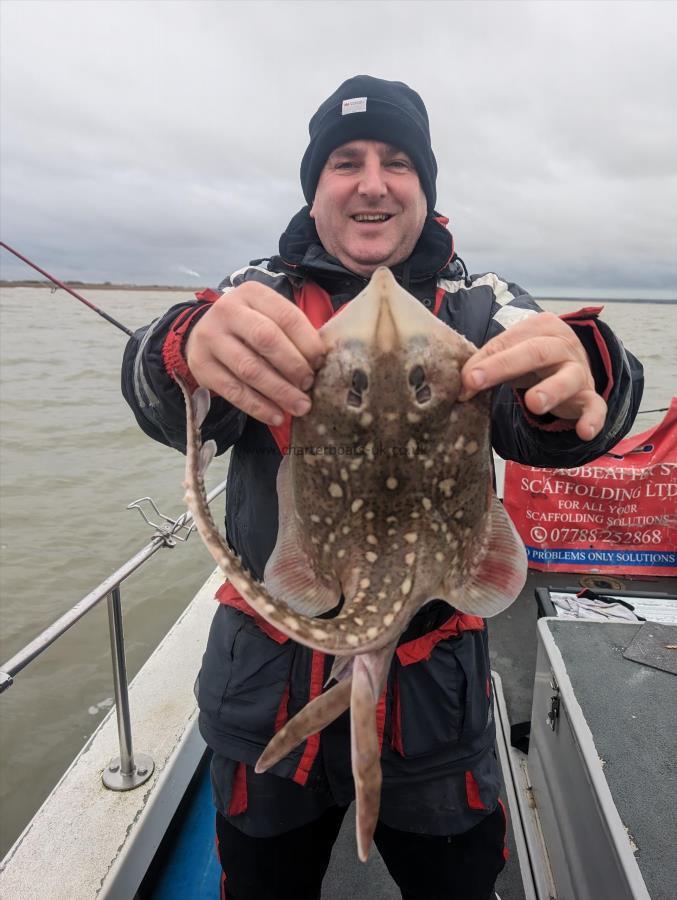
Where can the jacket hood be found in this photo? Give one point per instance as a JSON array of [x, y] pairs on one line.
[[302, 253]]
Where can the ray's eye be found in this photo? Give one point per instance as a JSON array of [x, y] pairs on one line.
[[359, 384], [418, 382]]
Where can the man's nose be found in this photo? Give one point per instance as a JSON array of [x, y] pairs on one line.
[[372, 182]]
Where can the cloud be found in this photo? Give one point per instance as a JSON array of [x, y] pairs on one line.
[[164, 136]]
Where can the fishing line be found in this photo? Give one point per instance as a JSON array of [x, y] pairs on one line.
[[104, 315]]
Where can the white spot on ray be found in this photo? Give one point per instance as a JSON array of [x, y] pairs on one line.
[[318, 634], [371, 556], [410, 559], [356, 505], [291, 623], [411, 537], [372, 539], [372, 632], [369, 515], [405, 587], [413, 418], [388, 619], [439, 556], [397, 606], [460, 441], [364, 584], [391, 483], [321, 429], [344, 474], [335, 490], [427, 503], [314, 518], [471, 447], [341, 553], [366, 419], [446, 486], [353, 639]]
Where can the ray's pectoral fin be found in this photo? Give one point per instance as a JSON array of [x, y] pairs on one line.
[[369, 675], [498, 576], [289, 574]]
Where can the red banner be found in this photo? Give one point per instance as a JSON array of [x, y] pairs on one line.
[[615, 514]]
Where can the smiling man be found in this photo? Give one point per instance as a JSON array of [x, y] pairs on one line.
[[565, 391]]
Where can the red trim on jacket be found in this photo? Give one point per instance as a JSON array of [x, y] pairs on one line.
[[439, 297], [396, 726], [443, 221], [587, 316], [282, 711], [313, 743], [222, 882], [472, 792], [381, 717], [208, 294], [506, 851], [421, 648], [229, 596], [238, 793], [172, 348]]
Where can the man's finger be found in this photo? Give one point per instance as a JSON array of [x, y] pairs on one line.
[[567, 382], [266, 339], [593, 415], [586, 407], [255, 372], [531, 355], [226, 385], [294, 323]]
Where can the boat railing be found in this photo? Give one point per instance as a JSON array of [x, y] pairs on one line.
[[129, 769]]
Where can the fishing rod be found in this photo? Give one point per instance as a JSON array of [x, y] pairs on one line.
[[64, 287]]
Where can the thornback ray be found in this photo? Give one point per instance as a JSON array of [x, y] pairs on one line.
[[385, 503]]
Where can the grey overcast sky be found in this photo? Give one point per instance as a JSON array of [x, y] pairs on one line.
[[145, 141]]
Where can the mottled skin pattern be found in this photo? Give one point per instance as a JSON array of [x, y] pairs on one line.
[[385, 500], [390, 515]]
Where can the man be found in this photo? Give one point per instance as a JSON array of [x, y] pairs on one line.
[[565, 392]]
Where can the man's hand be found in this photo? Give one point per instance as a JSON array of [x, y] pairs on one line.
[[541, 353], [258, 351]]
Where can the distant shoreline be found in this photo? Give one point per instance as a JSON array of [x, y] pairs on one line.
[[100, 286], [109, 286]]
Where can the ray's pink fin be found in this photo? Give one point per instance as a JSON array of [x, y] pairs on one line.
[[289, 574], [501, 572]]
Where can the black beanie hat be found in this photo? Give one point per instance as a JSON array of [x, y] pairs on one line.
[[366, 108]]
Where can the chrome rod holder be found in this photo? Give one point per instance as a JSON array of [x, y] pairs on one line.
[[126, 771]]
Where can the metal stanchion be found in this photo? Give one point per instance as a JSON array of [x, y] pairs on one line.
[[125, 771]]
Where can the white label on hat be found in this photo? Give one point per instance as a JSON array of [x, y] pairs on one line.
[[357, 104]]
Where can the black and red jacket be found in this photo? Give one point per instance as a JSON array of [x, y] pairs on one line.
[[435, 718]]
